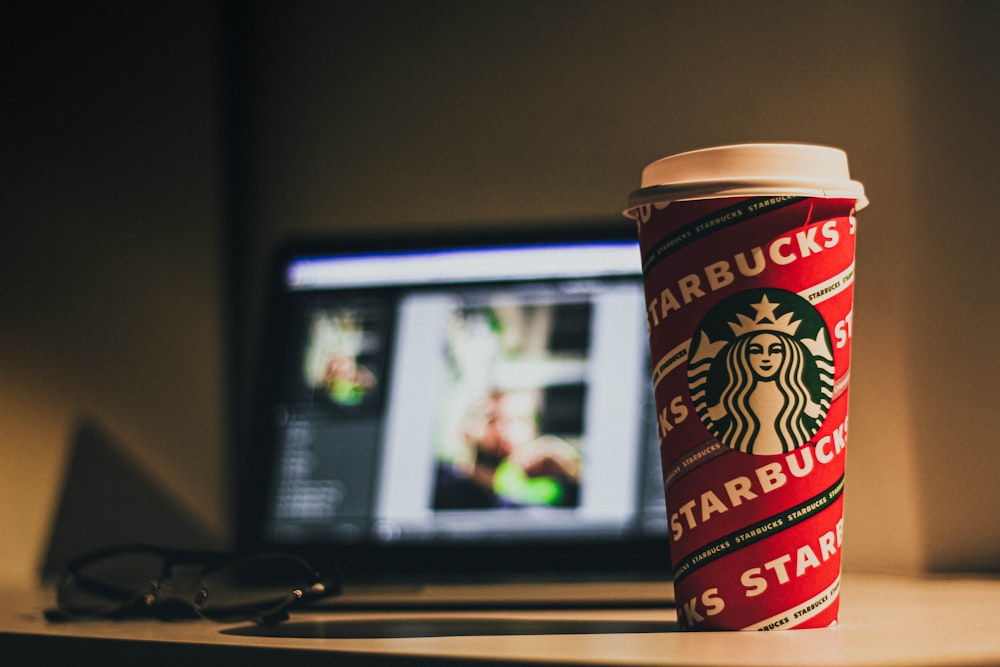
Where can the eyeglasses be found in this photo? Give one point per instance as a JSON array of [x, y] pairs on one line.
[[142, 580]]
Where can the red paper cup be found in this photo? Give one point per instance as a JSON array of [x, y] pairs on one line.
[[748, 260]]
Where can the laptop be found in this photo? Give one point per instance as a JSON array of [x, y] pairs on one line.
[[461, 419]]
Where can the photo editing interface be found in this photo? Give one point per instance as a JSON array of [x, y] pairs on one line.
[[467, 395]]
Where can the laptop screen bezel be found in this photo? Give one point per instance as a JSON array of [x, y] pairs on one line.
[[629, 556]]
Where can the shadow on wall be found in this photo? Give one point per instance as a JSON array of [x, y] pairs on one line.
[[108, 499]]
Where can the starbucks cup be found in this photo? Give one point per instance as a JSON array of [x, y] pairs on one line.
[[748, 262]]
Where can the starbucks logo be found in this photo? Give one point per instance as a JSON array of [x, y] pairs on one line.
[[760, 371]]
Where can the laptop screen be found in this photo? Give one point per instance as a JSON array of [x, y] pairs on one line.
[[434, 401]]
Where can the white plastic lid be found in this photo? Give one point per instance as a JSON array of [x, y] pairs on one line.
[[749, 169]]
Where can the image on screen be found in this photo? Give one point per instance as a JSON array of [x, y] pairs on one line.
[[511, 426]]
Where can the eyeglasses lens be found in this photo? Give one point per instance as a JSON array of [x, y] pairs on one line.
[[111, 583], [258, 583]]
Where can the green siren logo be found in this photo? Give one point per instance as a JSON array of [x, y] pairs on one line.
[[760, 371]]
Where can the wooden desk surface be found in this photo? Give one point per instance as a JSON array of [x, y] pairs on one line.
[[885, 620]]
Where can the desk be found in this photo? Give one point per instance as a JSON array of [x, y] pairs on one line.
[[885, 620]]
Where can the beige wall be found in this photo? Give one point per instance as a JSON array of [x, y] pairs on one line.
[[447, 114], [952, 315], [109, 256]]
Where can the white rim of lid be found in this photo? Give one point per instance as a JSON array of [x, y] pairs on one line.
[[749, 169]]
